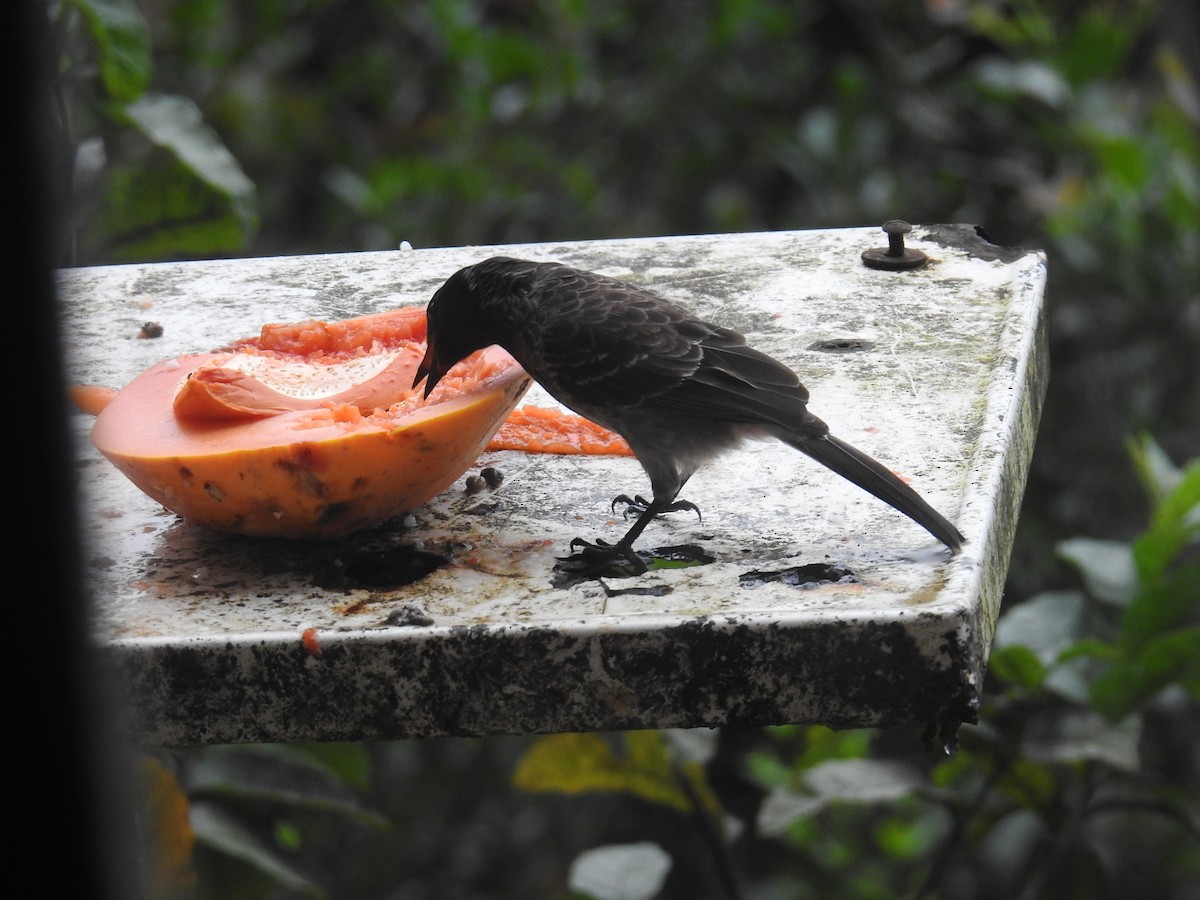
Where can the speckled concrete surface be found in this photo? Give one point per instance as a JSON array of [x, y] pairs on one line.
[[943, 381]]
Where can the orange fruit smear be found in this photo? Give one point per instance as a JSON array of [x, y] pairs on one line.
[[90, 398], [536, 429], [342, 339]]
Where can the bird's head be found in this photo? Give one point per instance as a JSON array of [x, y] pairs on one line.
[[466, 314]]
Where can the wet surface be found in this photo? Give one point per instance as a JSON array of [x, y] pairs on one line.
[[388, 569], [798, 576]]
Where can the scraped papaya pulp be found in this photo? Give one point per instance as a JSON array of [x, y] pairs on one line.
[[313, 430]]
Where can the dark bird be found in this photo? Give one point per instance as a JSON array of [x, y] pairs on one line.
[[678, 389]]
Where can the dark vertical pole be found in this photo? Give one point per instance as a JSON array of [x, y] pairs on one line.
[[75, 826]]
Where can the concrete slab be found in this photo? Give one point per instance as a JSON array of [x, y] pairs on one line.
[[937, 371]]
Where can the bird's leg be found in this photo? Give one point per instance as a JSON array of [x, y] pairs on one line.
[[640, 504], [601, 552]]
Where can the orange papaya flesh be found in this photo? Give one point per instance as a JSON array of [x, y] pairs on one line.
[[310, 430]]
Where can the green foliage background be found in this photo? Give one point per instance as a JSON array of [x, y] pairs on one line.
[[199, 128]]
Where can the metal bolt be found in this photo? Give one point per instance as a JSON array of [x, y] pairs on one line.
[[896, 257]]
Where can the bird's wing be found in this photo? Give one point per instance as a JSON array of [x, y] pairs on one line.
[[607, 344], [736, 383], [615, 345]]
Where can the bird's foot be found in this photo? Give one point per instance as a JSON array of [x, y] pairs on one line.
[[638, 505], [602, 556]]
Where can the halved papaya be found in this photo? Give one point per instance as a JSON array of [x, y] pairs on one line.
[[310, 430]]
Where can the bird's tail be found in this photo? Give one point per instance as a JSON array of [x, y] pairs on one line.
[[872, 476]]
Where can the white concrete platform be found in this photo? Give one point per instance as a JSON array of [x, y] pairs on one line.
[[939, 372]]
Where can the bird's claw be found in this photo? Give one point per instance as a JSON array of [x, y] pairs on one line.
[[638, 505], [600, 554]]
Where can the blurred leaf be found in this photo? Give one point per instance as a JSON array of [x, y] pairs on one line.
[[1070, 736], [1092, 648], [1017, 665], [176, 124], [862, 780], [1010, 844], [171, 214], [1048, 627], [219, 829], [1168, 658], [1028, 782], [1044, 624], [122, 42], [822, 743], [1123, 159], [1098, 45], [578, 763], [1167, 602], [836, 781], [785, 805], [1107, 568], [1026, 25], [1174, 525], [274, 774], [620, 871], [692, 745], [346, 760], [1030, 79], [168, 830], [767, 769], [191, 199], [1157, 473], [905, 837]]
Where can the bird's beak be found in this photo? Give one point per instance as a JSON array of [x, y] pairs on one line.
[[429, 369]]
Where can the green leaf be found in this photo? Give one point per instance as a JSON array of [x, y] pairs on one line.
[[621, 871], [910, 837], [767, 769], [1172, 657], [1018, 665], [122, 41], [1098, 45], [1174, 525], [823, 743], [1124, 161], [1167, 602], [1091, 648], [1157, 473]]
